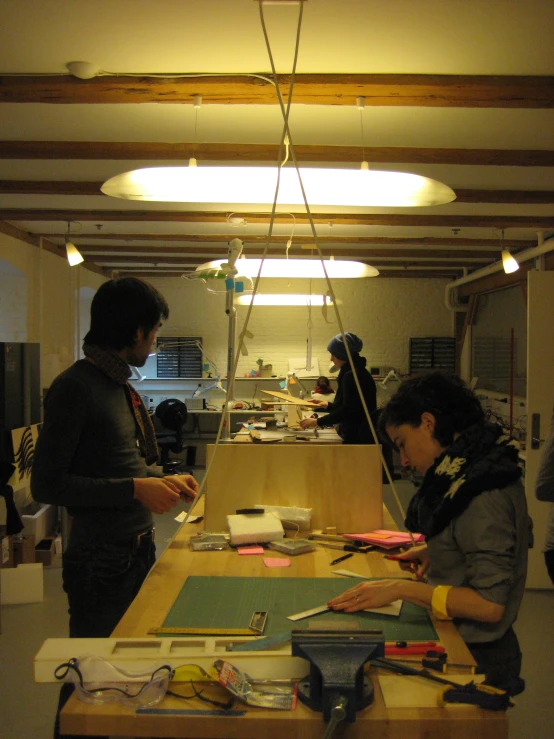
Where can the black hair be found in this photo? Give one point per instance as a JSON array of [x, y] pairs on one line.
[[454, 406], [120, 308], [323, 381]]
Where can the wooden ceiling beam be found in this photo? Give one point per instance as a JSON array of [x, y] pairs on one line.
[[99, 252], [64, 187], [147, 274], [395, 241], [240, 153], [352, 219], [435, 91]]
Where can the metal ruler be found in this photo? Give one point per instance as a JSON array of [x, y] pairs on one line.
[[307, 614], [201, 631], [257, 645], [188, 712]]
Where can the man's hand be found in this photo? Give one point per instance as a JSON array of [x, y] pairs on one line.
[[308, 423], [186, 485], [158, 494], [321, 404]]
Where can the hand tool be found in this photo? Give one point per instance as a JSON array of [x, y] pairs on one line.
[[439, 663], [341, 559], [411, 649], [476, 694], [343, 547]]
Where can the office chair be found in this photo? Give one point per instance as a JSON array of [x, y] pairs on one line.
[[172, 414]]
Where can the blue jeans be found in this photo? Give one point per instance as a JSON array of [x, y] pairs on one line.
[[101, 580]]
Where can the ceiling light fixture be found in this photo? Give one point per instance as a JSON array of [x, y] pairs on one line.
[[286, 299], [288, 268], [74, 256], [256, 185], [509, 263]]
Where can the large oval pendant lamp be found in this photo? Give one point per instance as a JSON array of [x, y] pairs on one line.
[[362, 187]]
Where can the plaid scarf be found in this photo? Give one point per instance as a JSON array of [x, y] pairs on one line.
[[482, 458], [118, 370]]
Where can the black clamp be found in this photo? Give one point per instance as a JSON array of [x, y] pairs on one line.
[[336, 679]]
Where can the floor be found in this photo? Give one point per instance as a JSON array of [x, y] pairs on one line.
[[27, 709]]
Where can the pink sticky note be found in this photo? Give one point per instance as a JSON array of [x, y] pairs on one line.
[[250, 550], [277, 562]]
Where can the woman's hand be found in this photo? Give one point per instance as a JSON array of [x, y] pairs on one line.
[[415, 560], [308, 423], [366, 595]]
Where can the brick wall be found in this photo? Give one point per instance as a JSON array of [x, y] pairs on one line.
[[385, 313]]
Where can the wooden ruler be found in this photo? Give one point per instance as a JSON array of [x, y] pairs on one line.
[[201, 631]]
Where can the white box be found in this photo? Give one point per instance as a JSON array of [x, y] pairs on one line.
[[22, 584], [40, 524]]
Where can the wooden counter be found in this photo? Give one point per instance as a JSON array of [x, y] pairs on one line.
[[376, 722]]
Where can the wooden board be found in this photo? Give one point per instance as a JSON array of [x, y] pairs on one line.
[[341, 483], [287, 398]]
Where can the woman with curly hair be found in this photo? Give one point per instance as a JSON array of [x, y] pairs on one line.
[[472, 509]]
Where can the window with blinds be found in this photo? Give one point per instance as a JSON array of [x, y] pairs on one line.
[[179, 356]]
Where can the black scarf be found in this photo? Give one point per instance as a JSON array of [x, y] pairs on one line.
[[117, 369], [482, 458]]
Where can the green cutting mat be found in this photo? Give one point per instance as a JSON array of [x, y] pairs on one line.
[[229, 602]]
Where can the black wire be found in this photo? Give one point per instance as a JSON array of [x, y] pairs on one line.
[[198, 694]]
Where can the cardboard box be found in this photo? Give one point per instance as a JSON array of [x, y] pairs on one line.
[[45, 551], [23, 550], [6, 549], [21, 584], [39, 520]]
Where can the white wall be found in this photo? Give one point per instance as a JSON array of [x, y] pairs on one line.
[[384, 313], [47, 283]]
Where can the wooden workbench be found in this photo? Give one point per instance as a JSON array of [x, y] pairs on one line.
[[154, 601]]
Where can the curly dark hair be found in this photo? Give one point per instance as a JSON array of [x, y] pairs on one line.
[[454, 406], [119, 308]]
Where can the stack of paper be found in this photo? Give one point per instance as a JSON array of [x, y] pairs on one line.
[[387, 539]]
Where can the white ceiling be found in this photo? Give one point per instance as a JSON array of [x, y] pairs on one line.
[[338, 37]]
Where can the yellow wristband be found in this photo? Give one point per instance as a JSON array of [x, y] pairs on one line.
[[438, 602]]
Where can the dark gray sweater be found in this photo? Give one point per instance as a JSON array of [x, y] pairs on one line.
[[87, 455]]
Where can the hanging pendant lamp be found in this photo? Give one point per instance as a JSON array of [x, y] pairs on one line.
[[362, 187]]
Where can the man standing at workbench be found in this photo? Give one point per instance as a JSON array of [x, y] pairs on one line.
[[94, 456]]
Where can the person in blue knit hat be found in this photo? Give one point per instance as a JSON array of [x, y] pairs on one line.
[[347, 410]]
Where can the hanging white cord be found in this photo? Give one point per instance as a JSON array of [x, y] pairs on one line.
[[254, 292], [312, 226]]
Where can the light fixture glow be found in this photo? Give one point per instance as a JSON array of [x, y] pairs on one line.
[[336, 268], [336, 187], [508, 262], [286, 299], [74, 256]]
